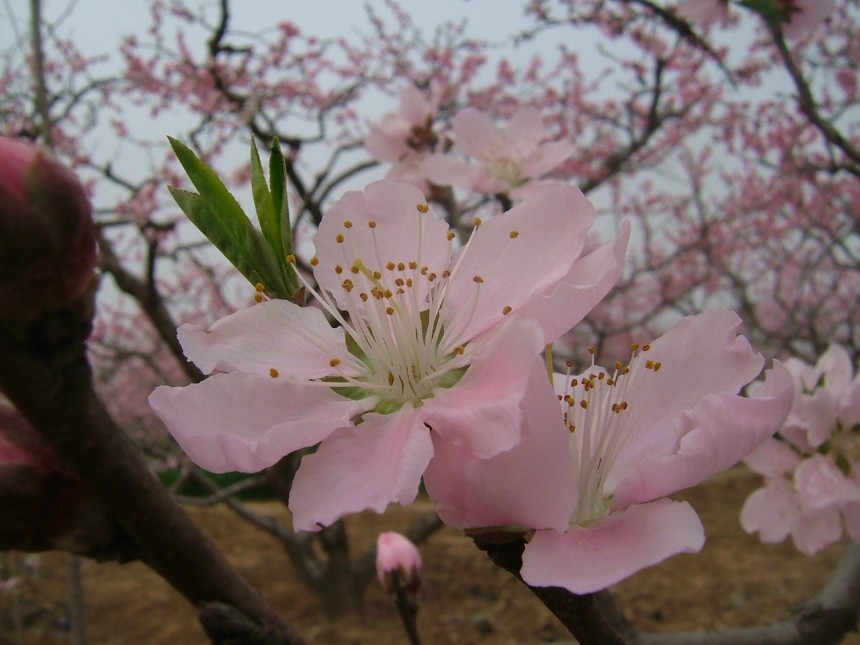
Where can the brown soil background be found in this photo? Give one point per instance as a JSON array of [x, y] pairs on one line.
[[736, 581]]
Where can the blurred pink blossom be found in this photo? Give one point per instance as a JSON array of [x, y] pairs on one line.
[[405, 138], [594, 480], [507, 160], [435, 347], [811, 469]]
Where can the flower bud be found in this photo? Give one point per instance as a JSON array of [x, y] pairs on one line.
[[43, 505], [398, 563], [47, 233]]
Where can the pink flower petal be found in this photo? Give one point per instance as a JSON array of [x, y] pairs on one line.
[[475, 134], [446, 170], [400, 235], [700, 355], [771, 511], [524, 133], [518, 254], [366, 467], [533, 484], [565, 304], [817, 531], [547, 157], [725, 428], [247, 423], [588, 559], [483, 411], [297, 341], [820, 484], [773, 458]]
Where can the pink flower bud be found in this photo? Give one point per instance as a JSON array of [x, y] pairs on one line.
[[398, 562], [47, 233]]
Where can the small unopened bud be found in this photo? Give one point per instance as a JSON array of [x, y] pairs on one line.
[[47, 233], [398, 563], [43, 505]]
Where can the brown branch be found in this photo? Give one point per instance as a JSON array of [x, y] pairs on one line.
[[807, 105], [46, 374], [151, 303], [580, 614]]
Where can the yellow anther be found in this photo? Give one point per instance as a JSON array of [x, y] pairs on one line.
[[354, 268], [390, 265], [478, 279], [645, 348], [259, 287], [389, 311], [431, 276], [634, 347], [649, 365], [401, 266], [583, 404], [348, 285], [388, 293], [338, 238], [390, 378], [574, 382], [338, 269], [506, 310], [422, 208], [592, 351], [572, 428], [569, 364], [400, 282], [424, 270], [617, 365], [258, 297], [451, 235], [291, 258], [413, 265], [657, 366], [347, 223], [477, 222], [408, 282], [371, 224], [559, 397], [514, 234], [315, 261], [377, 275], [363, 296], [446, 273], [460, 349], [273, 373], [334, 362], [601, 376]]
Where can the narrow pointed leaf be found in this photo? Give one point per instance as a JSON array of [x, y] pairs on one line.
[[238, 240], [278, 183], [266, 213]]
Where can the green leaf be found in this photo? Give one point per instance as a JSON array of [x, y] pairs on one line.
[[266, 213], [238, 240], [278, 183]]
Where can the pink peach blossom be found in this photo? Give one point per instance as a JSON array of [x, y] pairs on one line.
[[506, 160], [405, 138], [812, 469], [626, 439], [435, 347]]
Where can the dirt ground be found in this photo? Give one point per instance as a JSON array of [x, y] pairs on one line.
[[735, 581]]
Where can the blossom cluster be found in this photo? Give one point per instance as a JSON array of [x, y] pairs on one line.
[[811, 469], [433, 370]]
